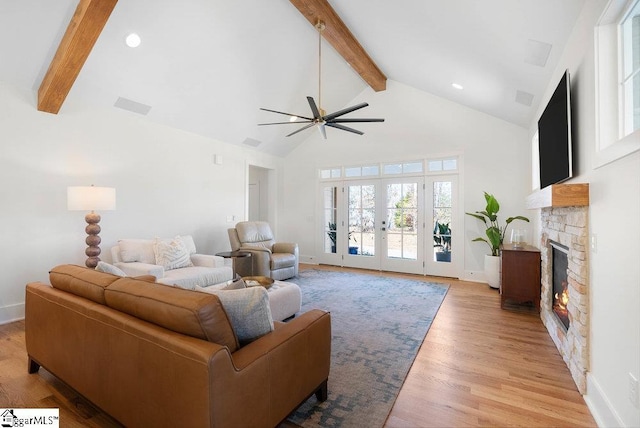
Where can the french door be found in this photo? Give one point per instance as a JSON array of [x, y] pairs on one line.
[[442, 258], [381, 224]]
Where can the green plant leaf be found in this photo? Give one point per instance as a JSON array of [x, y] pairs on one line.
[[492, 205], [518, 217]]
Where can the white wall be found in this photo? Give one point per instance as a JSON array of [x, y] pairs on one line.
[[496, 158], [614, 216], [165, 179]]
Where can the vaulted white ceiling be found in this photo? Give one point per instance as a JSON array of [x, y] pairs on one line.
[[207, 66]]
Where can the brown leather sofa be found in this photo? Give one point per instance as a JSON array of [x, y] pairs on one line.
[[154, 355]]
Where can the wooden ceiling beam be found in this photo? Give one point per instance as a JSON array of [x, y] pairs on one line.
[[84, 29], [339, 36]]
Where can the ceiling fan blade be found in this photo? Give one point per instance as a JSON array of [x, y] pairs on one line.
[[314, 108], [287, 114], [284, 123], [323, 131], [301, 129], [344, 111], [344, 128], [354, 120]]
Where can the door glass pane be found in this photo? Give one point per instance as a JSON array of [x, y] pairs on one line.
[[442, 214], [631, 79], [362, 220], [401, 219], [330, 203]]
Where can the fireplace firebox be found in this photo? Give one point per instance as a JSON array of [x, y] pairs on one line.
[[560, 282]]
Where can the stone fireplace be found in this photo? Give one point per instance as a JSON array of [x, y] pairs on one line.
[[564, 223]]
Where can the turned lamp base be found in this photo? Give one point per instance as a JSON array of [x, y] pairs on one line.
[[91, 198], [93, 240]]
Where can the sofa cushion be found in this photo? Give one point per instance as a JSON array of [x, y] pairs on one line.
[[81, 281], [249, 311], [189, 277], [137, 250], [183, 311], [107, 268], [171, 254]]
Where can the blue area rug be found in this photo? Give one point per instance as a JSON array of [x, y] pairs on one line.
[[378, 324]]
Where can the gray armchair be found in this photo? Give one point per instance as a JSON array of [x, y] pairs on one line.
[[277, 260]]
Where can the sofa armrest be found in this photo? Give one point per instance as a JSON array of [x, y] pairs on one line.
[[139, 269], [207, 260], [285, 247], [274, 373], [314, 326]]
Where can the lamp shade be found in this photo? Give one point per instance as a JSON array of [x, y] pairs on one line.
[[91, 198]]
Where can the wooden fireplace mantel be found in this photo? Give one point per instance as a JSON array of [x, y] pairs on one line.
[[559, 195]]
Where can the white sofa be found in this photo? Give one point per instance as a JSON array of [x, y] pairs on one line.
[[137, 257]]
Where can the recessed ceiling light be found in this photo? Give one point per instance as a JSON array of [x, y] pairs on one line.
[[457, 86], [133, 40], [293, 118]]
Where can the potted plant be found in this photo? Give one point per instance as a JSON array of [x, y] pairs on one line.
[[495, 236], [442, 240]]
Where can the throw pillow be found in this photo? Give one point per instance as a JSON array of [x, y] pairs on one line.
[[248, 310], [107, 268], [188, 242], [172, 254], [136, 250]]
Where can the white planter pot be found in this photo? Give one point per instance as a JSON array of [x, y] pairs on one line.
[[492, 270]]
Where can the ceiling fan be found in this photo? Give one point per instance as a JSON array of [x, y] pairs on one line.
[[320, 118]]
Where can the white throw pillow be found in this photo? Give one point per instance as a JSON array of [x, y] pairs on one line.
[[137, 250], [107, 268], [248, 310], [188, 243], [172, 254]]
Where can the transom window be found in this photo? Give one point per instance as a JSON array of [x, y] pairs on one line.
[[408, 168]]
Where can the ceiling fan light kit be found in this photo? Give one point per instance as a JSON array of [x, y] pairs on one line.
[[320, 118]]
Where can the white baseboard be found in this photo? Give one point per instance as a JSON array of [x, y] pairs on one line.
[[311, 260], [11, 313], [474, 276], [600, 406]]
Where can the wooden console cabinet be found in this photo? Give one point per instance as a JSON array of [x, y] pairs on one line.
[[520, 275]]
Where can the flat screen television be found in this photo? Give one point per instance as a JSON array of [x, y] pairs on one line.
[[554, 136]]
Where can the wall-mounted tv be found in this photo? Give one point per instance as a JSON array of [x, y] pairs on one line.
[[554, 136]]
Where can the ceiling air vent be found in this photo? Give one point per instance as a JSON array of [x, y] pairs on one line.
[[524, 98], [251, 142], [536, 53], [136, 107]]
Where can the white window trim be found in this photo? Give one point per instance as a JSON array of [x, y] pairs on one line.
[[610, 142], [381, 174]]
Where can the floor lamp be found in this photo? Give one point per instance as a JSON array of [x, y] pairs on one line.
[[91, 198]]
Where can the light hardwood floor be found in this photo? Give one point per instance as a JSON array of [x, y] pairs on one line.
[[478, 366]]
